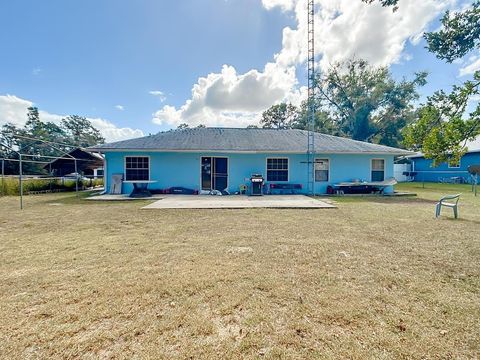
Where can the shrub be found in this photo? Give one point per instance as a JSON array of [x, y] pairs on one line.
[[11, 185]]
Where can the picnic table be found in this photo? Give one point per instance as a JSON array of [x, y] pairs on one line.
[[140, 188], [363, 187]]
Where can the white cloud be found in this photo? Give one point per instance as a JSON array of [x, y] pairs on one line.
[[285, 5], [36, 71], [472, 65], [344, 29], [14, 110], [111, 132], [160, 94], [119, 107], [231, 99]]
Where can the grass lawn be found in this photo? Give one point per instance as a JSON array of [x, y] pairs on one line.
[[375, 278]]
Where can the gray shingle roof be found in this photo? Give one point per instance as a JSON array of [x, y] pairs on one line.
[[246, 140]]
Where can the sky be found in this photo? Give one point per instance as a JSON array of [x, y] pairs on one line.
[[140, 67]]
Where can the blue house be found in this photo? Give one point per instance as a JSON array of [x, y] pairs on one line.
[[423, 169], [225, 159]]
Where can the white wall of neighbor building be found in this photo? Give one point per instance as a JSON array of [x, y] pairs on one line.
[[399, 169], [98, 173]]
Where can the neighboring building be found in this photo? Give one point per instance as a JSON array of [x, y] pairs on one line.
[[89, 164], [402, 169], [225, 158], [423, 169]]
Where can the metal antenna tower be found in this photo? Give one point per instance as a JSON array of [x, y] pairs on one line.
[[311, 98]]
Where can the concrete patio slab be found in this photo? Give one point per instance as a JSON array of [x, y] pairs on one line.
[[238, 202]]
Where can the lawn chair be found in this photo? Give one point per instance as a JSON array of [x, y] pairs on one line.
[[453, 204]]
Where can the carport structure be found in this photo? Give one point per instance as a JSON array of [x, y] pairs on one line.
[[36, 159]]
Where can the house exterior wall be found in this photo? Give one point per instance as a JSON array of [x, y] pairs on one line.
[[183, 169], [426, 171]]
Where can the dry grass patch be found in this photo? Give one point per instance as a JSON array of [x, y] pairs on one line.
[[377, 278]]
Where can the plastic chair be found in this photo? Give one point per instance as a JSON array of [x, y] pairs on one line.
[[443, 202]]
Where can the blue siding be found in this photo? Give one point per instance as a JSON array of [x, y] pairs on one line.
[[183, 168], [428, 173]]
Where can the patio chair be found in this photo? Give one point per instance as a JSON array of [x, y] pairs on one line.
[[443, 202]]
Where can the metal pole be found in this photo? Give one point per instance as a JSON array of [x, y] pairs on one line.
[[50, 174], [311, 98], [76, 178], [20, 172], [476, 184], [3, 177]]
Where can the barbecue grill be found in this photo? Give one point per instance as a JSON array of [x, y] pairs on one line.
[[256, 181]]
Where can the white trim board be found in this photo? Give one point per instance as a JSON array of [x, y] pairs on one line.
[[329, 166], [136, 156]]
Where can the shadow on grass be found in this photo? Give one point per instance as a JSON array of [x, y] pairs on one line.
[[81, 198], [382, 200], [446, 217]]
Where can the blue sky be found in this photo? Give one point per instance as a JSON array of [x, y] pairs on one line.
[[104, 58]]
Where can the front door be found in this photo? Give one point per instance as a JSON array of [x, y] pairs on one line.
[[214, 173]]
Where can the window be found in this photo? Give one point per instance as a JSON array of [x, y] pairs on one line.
[[277, 169], [378, 169], [137, 168], [322, 170], [452, 164]]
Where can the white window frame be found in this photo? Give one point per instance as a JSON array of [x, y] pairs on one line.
[[135, 156], [371, 167], [454, 167], [266, 169], [315, 170]]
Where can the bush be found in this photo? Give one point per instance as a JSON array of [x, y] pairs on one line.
[[97, 182], [12, 187]]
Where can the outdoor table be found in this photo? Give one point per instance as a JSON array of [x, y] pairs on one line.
[[140, 188]]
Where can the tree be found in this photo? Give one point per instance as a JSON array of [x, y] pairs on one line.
[[7, 142], [366, 103], [187, 126], [183, 126], [36, 129], [297, 118], [80, 132], [443, 127], [393, 3], [323, 121], [460, 33], [280, 116], [74, 131]]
